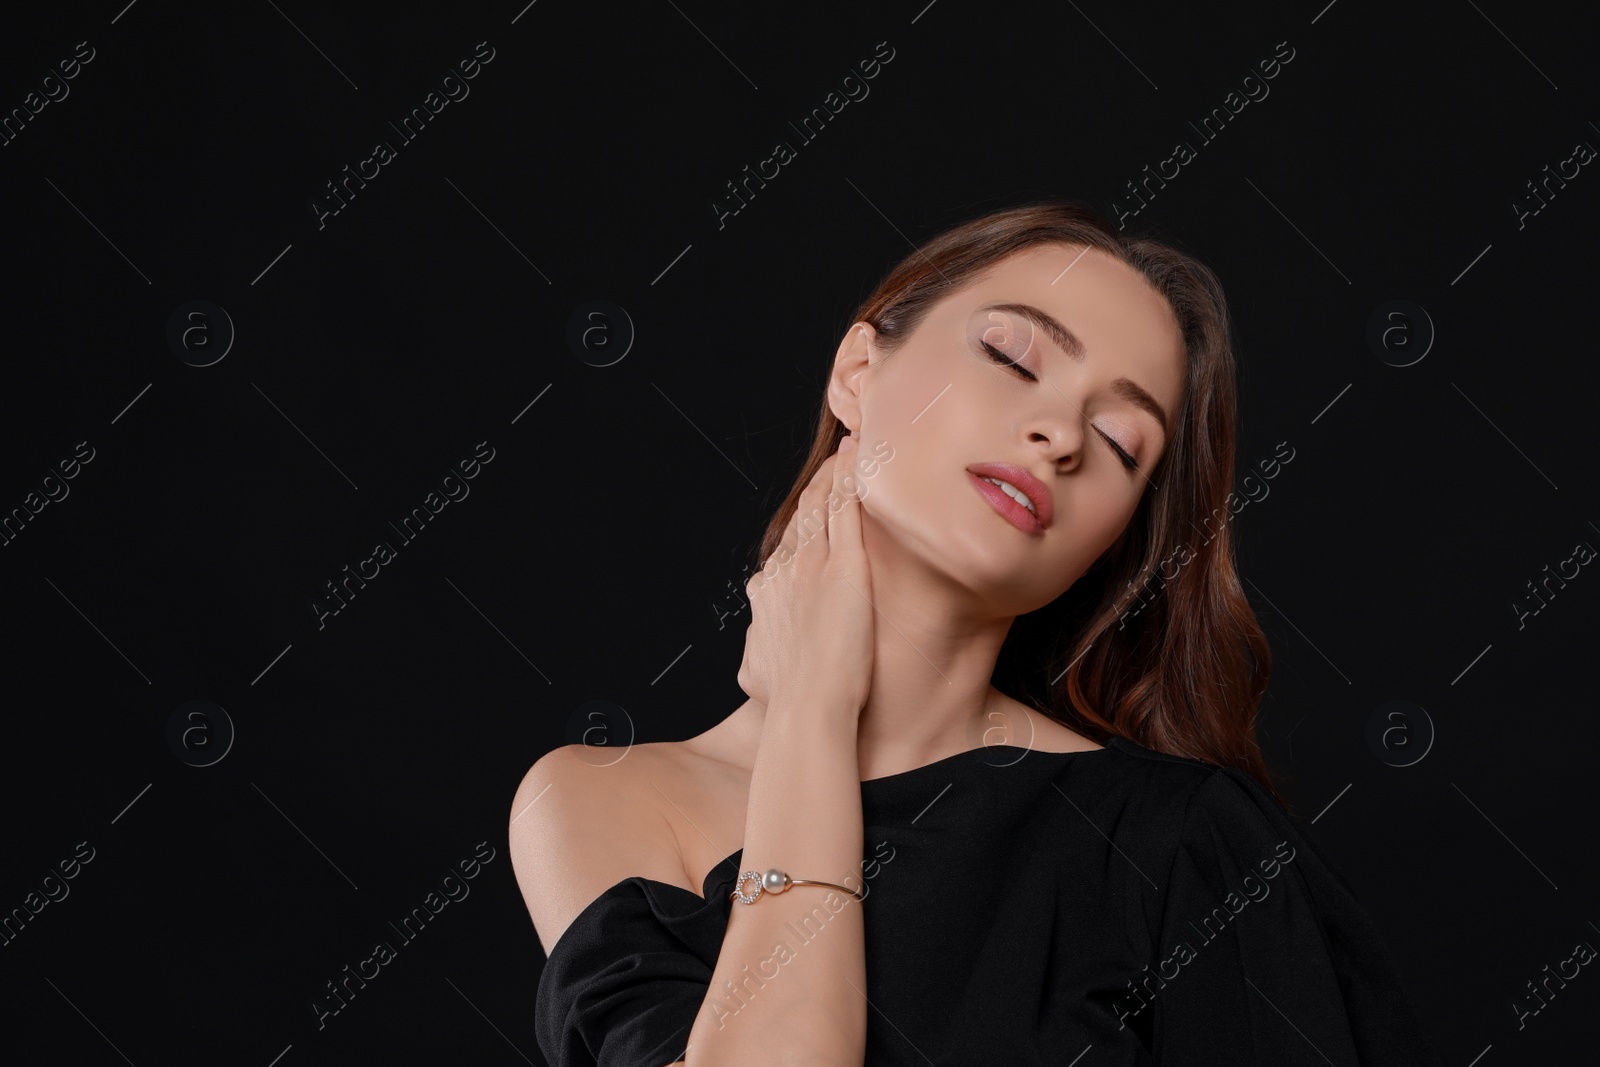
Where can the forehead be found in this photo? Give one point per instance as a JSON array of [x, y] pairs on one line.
[[1113, 310]]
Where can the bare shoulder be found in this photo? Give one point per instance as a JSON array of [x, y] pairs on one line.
[[583, 820], [1026, 728]]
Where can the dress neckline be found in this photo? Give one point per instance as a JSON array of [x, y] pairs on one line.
[[869, 787], [1022, 752]]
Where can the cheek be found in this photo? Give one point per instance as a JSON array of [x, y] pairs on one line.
[[1107, 519], [914, 417], [893, 481], [911, 436], [1088, 523]]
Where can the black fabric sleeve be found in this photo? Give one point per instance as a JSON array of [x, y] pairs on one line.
[[1264, 955], [623, 983]]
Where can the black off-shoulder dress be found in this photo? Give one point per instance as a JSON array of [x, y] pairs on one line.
[[1024, 907]]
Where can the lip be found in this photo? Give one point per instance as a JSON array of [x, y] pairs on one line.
[[1018, 515]]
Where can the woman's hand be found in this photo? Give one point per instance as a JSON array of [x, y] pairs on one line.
[[811, 631]]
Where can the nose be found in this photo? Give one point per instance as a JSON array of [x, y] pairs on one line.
[[1058, 439]]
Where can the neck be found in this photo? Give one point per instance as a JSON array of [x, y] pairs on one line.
[[934, 651]]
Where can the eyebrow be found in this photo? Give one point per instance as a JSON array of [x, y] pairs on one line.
[[1125, 388]]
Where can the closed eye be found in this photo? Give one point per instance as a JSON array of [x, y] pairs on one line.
[[1127, 460], [1006, 361]]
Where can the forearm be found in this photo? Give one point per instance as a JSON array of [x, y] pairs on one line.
[[788, 987]]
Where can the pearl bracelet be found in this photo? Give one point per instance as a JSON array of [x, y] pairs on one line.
[[776, 881]]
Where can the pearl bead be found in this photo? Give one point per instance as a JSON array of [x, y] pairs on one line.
[[774, 881]]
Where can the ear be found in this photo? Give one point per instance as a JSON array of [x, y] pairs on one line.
[[850, 364]]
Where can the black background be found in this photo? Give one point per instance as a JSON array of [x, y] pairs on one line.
[[377, 350]]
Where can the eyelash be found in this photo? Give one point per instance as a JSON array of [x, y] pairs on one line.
[[1001, 358]]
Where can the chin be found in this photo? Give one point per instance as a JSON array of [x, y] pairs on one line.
[[975, 549], [1005, 576]]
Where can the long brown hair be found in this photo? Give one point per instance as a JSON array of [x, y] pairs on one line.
[[1156, 641]]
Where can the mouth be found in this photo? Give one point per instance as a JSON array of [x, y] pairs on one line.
[[1018, 496]]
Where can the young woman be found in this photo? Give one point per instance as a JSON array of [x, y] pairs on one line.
[[1002, 682]]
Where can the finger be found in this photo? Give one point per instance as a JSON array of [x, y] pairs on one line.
[[844, 503], [812, 517], [787, 543], [808, 517]]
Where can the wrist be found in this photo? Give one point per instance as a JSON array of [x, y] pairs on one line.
[[815, 717]]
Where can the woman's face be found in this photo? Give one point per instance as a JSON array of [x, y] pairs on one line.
[[944, 405]]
